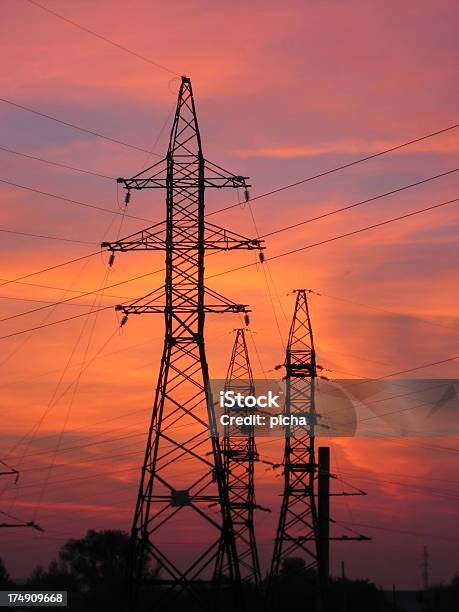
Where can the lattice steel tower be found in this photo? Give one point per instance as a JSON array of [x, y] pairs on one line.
[[239, 457], [182, 480], [297, 531]]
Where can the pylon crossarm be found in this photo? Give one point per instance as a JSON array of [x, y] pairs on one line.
[[217, 237], [151, 177], [159, 309], [153, 303], [150, 238], [216, 176], [155, 177], [28, 524], [153, 238]]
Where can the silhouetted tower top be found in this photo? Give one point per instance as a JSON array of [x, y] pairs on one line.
[[185, 139], [239, 368], [300, 355]]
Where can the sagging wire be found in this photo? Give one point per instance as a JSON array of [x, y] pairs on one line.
[[266, 272], [97, 301]]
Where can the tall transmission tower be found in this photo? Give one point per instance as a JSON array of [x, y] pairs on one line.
[[182, 478], [239, 457], [297, 531]]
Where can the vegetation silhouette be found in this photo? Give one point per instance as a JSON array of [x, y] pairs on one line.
[[92, 569]]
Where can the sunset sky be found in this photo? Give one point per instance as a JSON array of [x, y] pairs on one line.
[[283, 91]]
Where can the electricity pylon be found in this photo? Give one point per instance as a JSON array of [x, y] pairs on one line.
[[239, 457], [182, 478], [425, 565], [304, 528], [297, 531]]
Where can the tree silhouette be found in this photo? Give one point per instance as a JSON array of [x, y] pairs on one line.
[[91, 569], [96, 560], [5, 580]]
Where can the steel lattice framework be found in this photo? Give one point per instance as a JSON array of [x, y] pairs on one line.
[[297, 531], [239, 457], [182, 492]]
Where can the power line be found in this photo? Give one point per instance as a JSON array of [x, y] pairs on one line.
[[403, 531], [330, 213], [307, 221], [228, 207], [262, 195], [281, 188], [368, 200], [83, 314], [353, 472], [334, 238], [97, 356], [80, 295], [29, 235], [99, 440], [78, 202], [42, 271], [380, 309], [406, 485], [333, 212], [95, 423], [406, 371], [375, 480], [77, 127], [377, 197], [19, 299], [274, 257], [53, 287], [88, 477], [136, 433], [420, 367], [96, 302], [104, 38], [338, 168], [57, 164]]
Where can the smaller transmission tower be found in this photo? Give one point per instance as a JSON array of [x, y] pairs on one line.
[[304, 526], [297, 531], [239, 455], [425, 565]]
